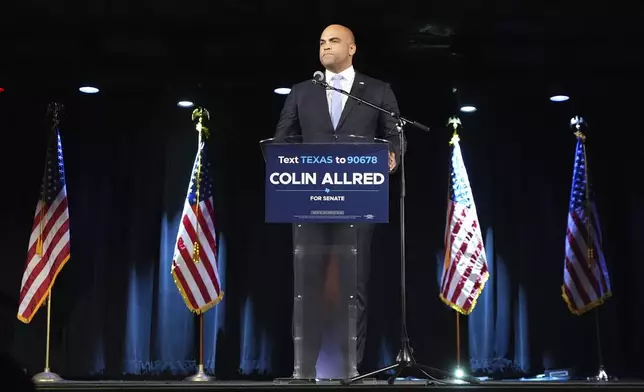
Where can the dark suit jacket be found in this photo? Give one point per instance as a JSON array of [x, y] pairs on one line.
[[306, 113]]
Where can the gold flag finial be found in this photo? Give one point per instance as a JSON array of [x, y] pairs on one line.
[[54, 110], [455, 122], [200, 113], [577, 122]]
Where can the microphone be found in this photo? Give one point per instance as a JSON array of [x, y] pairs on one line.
[[318, 77]]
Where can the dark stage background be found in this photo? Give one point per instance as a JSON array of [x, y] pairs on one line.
[[129, 150]]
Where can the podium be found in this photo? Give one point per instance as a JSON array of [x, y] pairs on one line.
[[328, 221]]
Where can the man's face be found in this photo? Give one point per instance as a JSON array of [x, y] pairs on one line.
[[336, 48]]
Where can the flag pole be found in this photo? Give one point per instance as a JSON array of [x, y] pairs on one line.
[[455, 122], [47, 375], [458, 341], [577, 122], [203, 132]]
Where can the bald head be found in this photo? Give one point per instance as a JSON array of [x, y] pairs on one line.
[[337, 47], [339, 31]]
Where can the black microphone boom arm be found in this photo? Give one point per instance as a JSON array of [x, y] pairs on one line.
[[318, 78]]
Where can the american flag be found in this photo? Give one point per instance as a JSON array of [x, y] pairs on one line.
[[586, 282], [194, 266], [49, 247], [465, 271]]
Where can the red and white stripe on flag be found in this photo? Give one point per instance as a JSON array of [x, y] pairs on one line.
[[194, 265], [465, 271], [586, 280], [49, 243]]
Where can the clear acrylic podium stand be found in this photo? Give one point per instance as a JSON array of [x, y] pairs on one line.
[[325, 265]]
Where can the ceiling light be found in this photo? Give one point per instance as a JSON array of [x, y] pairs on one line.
[[185, 104], [88, 90], [468, 109], [559, 98], [282, 90]]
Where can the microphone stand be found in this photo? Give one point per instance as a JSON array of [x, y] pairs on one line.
[[404, 358], [402, 121]]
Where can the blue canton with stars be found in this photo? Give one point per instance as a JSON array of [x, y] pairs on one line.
[[54, 177], [459, 189], [578, 192], [205, 186]]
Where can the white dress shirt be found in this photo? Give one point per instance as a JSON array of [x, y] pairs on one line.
[[349, 75]]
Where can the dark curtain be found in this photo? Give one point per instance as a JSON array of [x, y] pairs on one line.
[[116, 312], [498, 336]]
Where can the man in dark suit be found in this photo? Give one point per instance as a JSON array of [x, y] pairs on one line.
[[318, 115], [312, 112]]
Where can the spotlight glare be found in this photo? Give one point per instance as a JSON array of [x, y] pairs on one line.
[[459, 373], [468, 109], [559, 98], [185, 104], [282, 90], [88, 90], [1, 90]]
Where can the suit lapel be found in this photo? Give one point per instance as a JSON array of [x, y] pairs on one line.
[[357, 90], [319, 95]]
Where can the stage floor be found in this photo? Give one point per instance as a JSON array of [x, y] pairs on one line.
[[399, 385]]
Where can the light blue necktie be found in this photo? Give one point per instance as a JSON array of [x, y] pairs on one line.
[[336, 101]]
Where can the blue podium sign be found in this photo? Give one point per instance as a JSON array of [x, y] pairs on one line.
[[327, 183]]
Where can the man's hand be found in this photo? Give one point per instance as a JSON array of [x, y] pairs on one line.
[[392, 161]]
